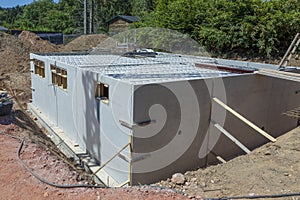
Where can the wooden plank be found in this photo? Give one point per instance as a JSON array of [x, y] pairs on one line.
[[125, 183], [221, 159], [218, 157], [246, 121], [109, 160], [232, 138]]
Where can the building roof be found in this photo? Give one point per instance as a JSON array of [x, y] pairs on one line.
[[127, 18], [2, 28], [164, 67]]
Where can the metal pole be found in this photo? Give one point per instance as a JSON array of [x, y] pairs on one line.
[[92, 17], [85, 18]]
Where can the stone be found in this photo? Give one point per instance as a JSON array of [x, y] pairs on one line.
[[178, 179], [193, 179], [46, 194]]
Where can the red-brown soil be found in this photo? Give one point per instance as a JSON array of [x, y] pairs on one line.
[[17, 183]]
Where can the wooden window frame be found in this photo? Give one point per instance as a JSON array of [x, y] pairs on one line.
[[59, 77], [102, 92], [39, 68]]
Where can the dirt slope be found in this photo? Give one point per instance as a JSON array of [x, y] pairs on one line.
[[274, 168], [84, 43], [14, 65]]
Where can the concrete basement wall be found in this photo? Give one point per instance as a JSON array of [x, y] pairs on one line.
[[164, 147], [87, 122], [262, 100], [170, 122]]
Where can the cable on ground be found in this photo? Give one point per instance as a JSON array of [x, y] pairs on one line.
[[39, 177]]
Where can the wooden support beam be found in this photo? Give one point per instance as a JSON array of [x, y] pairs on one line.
[[125, 183], [221, 159], [108, 161], [218, 157], [233, 139], [246, 121]]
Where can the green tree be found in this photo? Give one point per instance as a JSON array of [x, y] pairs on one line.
[[34, 16], [224, 26]]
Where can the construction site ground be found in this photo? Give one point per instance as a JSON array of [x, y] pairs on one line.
[[271, 169]]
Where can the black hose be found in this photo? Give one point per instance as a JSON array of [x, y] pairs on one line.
[[39, 177]]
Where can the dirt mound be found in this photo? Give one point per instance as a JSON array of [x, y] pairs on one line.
[[84, 43], [270, 169], [35, 43], [11, 53], [113, 45], [15, 62]]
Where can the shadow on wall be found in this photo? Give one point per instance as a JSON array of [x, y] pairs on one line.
[[92, 123]]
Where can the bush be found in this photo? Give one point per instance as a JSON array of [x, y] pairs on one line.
[[265, 28]]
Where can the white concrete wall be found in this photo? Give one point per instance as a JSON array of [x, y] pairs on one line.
[[261, 99], [88, 122]]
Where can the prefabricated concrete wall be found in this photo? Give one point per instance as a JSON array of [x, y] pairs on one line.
[[172, 123], [180, 113], [161, 146], [88, 122], [261, 99]]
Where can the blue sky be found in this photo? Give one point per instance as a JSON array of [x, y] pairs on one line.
[[12, 3]]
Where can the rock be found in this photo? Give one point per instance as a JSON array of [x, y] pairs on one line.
[[178, 179], [286, 174], [267, 153], [46, 194], [193, 179]]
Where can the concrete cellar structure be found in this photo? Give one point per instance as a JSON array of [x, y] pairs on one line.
[[141, 119]]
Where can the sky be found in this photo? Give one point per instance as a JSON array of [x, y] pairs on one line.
[[12, 3]]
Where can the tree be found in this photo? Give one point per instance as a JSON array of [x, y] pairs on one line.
[[223, 26]]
